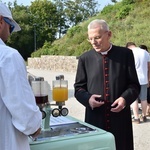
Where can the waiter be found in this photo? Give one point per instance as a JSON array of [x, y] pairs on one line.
[[20, 117]]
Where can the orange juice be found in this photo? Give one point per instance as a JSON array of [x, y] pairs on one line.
[[60, 94]]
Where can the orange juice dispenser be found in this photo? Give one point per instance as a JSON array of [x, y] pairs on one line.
[[60, 95]]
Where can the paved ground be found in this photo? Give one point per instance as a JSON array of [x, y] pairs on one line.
[[141, 131]]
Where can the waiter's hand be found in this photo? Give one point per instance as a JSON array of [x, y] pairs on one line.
[[95, 101], [35, 135], [118, 105]]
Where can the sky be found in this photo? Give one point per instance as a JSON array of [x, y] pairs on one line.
[[102, 3]]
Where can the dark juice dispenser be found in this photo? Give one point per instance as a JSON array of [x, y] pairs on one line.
[[41, 92]]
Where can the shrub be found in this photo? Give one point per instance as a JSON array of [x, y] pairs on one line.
[[74, 30], [123, 12]]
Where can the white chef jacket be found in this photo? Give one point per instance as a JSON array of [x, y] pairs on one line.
[[19, 114]]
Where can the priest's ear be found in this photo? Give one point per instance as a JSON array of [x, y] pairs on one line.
[[109, 34]]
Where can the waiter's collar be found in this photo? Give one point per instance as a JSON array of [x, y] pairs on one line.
[[1, 42], [105, 53]]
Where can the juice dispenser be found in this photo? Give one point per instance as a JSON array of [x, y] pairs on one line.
[[41, 92], [60, 95]]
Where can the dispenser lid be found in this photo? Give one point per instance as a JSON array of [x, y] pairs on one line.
[[60, 77], [39, 78]]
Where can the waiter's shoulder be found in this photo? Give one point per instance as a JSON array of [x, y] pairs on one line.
[[7, 51]]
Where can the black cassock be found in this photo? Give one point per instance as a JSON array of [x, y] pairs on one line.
[[112, 75]]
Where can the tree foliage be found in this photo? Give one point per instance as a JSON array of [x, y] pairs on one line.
[[22, 40], [72, 12], [62, 19], [79, 10], [44, 16]]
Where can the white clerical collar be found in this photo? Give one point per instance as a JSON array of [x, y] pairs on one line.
[[105, 53]]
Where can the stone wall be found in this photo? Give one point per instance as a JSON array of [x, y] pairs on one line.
[[54, 63]]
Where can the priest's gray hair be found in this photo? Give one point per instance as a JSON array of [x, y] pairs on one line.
[[98, 23]]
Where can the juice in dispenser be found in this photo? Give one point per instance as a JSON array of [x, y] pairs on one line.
[[60, 89], [40, 90]]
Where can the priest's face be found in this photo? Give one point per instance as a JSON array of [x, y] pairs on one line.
[[99, 39]]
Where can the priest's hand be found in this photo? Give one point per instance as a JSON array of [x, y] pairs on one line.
[[118, 105], [95, 101]]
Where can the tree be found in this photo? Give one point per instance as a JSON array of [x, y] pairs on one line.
[[39, 20], [22, 40], [62, 19], [76, 11], [43, 15]]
